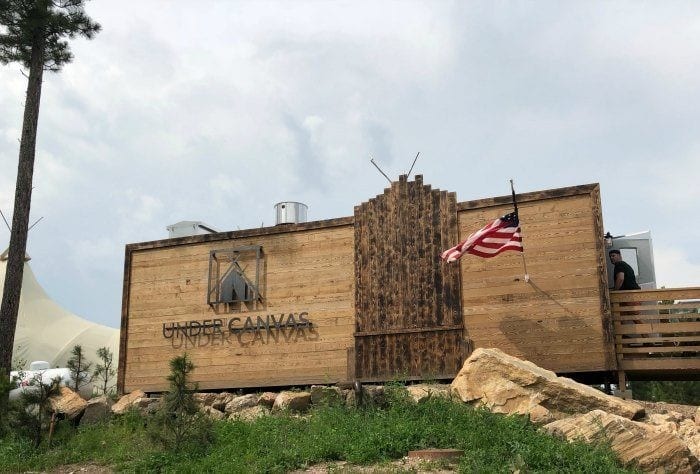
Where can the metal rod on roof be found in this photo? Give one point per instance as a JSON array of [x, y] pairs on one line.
[[35, 223], [412, 164], [3, 218], [371, 160]]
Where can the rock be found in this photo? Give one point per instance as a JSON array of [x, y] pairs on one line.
[[686, 411], [267, 399], [506, 384], [221, 400], [127, 401], [213, 413], [697, 416], [250, 413], [678, 424], [420, 392], [662, 423], [689, 432], [148, 406], [67, 403], [292, 401], [204, 399], [350, 398], [322, 395], [374, 395], [370, 395], [239, 403], [636, 444], [97, 410]]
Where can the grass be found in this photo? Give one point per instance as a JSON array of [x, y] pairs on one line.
[[492, 443]]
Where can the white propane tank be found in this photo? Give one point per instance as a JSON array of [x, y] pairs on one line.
[[38, 371]]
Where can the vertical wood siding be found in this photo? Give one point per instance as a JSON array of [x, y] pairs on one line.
[[407, 302]]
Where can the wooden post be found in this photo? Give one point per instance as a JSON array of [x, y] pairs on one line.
[[621, 381]]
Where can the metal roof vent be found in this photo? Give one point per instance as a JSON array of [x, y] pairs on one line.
[[188, 228], [290, 212]]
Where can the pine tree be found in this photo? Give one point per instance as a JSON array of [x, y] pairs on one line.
[[79, 368], [33, 413], [33, 33], [179, 424], [104, 370]]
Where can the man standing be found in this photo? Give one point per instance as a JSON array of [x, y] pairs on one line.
[[624, 279], [623, 273]]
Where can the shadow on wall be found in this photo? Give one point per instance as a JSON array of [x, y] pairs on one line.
[[547, 340]]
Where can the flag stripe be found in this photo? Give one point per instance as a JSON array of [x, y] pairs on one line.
[[491, 240]]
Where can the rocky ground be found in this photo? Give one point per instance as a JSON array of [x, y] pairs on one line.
[[656, 437]]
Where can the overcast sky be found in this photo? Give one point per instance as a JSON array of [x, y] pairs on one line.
[[216, 110]]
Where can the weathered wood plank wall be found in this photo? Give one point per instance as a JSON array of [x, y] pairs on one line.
[[408, 316], [401, 321], [304, 271], [558, 319]]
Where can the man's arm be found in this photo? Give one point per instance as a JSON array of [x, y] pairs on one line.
[[619, 280]]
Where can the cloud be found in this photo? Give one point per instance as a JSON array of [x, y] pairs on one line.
[[675, 268], [160, 121], [141, 208]]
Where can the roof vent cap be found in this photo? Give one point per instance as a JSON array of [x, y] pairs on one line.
[[290, 212], [188, 228]]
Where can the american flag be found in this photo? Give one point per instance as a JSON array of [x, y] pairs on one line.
[[496, 237]]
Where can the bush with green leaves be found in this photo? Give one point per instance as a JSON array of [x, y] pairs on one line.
[[178, 424]]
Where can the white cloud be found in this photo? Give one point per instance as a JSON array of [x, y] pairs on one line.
[[677, 185], [141, 208], [675, 268], [159, 121]]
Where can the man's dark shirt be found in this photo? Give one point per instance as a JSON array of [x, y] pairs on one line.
[[630, 282]]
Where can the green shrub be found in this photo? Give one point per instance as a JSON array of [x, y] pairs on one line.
[[178, 424]]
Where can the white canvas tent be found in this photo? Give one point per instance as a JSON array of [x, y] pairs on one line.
[[46, 331]]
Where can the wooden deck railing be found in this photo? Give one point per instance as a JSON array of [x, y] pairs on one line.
[[657, 330]]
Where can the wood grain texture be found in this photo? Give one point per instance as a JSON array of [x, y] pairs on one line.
[[557, 319], [305, 269], [408, 306], [383, 304]]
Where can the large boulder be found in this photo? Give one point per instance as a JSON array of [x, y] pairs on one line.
[[421, 391], [205, 399], [368, 395], [148, 405], [239, 403], [127, 401], [322, 395], [636, 444], [506, 384], [98, 409], [676, 423], [222, 399], [292, 401], [250, 413], [213, 413], [267, 399], [67, 403]]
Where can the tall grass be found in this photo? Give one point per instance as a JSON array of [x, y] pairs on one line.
[[491, 443]]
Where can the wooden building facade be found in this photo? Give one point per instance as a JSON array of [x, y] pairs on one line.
[[368, 298]]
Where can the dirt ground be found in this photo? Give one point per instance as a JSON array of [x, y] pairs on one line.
[[404, 465]]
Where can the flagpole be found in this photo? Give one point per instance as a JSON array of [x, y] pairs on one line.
[[515, 207]]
